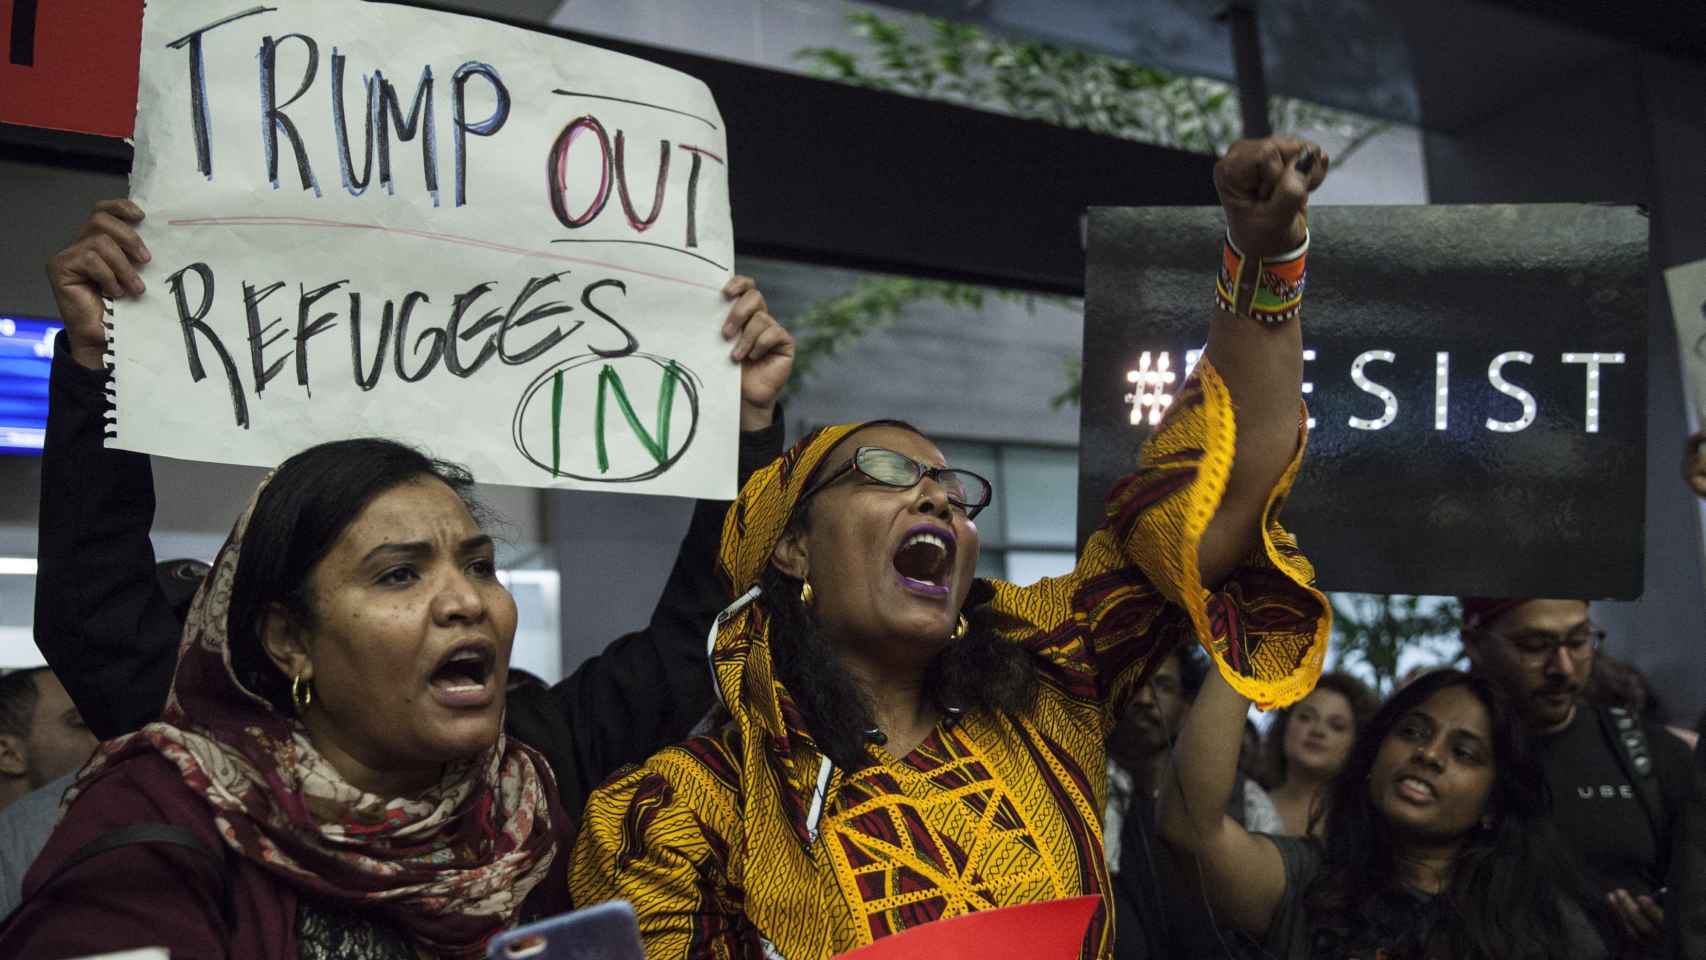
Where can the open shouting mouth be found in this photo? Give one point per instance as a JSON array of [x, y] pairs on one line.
[[924, 561]]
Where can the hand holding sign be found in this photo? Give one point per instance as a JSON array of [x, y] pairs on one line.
[[380, 255], [1264, 188], [102, 262], [764, 350], [104, 259]]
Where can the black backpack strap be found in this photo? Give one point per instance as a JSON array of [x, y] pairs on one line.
[[217, 864], [1629, 742]]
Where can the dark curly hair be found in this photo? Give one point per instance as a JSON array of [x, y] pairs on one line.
[[1506, 897], [979, 671]]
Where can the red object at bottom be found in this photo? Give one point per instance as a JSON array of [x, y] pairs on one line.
[[1052, 930]]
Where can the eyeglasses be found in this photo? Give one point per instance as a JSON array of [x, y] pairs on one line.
[[966, 490], [1537, 646]]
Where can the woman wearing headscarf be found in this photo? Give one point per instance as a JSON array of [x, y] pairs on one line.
[[104, 623], [333, 745], [902, 742]]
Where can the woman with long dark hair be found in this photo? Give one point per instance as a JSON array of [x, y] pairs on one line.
[[1438, 841], [903, 742]]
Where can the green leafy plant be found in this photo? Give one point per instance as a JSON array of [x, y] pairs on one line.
[[941, 59], [874, 302], [1073, 369], [1373, 630]]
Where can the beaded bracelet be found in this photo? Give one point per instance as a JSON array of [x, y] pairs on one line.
[[1278, 293]]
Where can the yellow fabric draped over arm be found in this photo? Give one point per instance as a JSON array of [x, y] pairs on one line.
[[1136, 584]]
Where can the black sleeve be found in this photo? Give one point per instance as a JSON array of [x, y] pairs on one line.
[[1674, 767], [648, 688], [102, 619], [1684, 783], [1146, 869], [1289, 929]]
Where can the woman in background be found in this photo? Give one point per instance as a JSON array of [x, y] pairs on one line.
[[1437, 840], [1308, 743]]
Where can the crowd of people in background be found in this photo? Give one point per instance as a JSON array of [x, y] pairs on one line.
[[830, 730], [1618, 786], [1618, 779], [1572, 724]]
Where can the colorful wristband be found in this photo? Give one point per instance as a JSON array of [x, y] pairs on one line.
[[1278, 291]]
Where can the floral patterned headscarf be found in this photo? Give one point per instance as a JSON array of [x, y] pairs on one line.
[[449, 866]]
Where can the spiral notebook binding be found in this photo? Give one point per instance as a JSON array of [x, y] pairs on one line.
[[110, 358]]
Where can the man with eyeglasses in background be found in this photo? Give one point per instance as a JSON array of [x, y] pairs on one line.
[[1619, 785]]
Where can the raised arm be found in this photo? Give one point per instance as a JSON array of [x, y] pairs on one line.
[[1201, 509], [1243, 874], [1264, 189], [649, 688], [101, 619]]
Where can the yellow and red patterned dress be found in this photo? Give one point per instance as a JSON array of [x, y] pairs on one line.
[[748, 843]]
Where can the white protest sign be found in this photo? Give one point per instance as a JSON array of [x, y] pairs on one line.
[[505, 247], [1687, 287]]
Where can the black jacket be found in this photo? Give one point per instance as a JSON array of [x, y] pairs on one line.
[[111, 635], [1673, 797], [1160, 907], [1687, 920], [1682, 785]]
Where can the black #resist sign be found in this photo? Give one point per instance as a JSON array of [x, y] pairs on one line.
[[1476, 379]]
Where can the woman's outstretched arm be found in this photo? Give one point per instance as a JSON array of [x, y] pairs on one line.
[[1242, 873]]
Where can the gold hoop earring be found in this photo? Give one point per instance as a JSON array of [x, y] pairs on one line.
[[806, 592], [960, 629], [301, 693]]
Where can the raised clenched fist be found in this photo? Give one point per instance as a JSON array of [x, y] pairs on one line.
[[1264, 188]]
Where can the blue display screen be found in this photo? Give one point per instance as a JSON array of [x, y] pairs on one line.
[[26, 355]]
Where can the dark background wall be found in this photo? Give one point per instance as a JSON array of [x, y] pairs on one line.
[[1588, 119]]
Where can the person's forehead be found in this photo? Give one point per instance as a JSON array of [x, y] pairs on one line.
[[898, 439], [1169, 665], [1549, 616], [1456, 709], [50, 693], [418, 510], [1327, 700]]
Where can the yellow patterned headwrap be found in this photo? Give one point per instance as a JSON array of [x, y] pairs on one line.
[[759, 517], [740, 656]]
